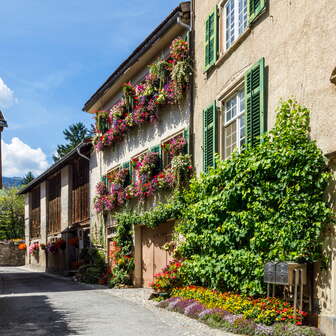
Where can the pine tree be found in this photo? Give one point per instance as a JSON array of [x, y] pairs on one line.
[[74, 135], [28, 178]]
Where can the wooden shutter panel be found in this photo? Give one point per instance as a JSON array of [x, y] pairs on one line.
[[209, 136], [255, 7], [130, 172], [186, 135], [157, 149], [211, 39], [255, 102]]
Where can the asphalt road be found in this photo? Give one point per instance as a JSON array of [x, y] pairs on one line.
[[35, 304]]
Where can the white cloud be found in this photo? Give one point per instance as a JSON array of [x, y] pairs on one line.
[[19, 158], [6, 95]]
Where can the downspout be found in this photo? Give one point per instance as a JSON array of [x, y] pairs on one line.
[[190, 28], [80, 154], [180, 22]]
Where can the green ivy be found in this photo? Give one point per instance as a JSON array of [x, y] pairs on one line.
[[265, 203], [121, 272]]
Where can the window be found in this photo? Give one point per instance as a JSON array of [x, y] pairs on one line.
[[134, 171], [169, 145], [234, 123], [235, 14]]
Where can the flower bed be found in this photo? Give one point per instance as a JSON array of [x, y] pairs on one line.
[[262, 310], [228, 311], [165, 84]]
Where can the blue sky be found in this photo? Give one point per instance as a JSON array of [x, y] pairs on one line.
[[53, 57]]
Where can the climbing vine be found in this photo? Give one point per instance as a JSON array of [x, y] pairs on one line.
[[265, 203]]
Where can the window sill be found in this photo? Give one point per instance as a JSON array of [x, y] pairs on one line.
[[224, 56]]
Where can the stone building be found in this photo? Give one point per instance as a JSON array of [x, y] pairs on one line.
[[249, 54], [127, 136], [57, 218]]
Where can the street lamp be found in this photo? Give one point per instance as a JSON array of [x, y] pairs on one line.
[[3, 124]]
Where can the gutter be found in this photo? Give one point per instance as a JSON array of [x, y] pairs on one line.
[[52, 169]]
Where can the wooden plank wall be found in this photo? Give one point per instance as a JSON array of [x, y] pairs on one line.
[[80, 191], [54, 204]]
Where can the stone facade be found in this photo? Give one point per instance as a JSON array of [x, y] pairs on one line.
[[296, 40], [10, 255]]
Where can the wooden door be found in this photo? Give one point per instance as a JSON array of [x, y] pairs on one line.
[[154, 256]]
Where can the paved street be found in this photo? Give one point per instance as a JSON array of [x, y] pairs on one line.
[[35, 304]]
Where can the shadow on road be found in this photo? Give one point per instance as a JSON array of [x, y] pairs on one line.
[[32, 315], [32, 282]]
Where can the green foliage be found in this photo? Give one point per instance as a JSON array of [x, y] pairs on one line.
[[74, 135], [265, 203], [94, 266], [11, 214], [155, 216], [121, 272]]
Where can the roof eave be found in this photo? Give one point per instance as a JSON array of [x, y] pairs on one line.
[[160, 31]]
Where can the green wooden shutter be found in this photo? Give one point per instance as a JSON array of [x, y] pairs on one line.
[[211, 39], [186, 135], [255, 102], [157, 149], [209, 136], [130, 172], [255, 7], [127, 165]]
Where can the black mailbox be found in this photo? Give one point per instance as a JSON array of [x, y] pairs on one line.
[[282, 274], [269, 272]]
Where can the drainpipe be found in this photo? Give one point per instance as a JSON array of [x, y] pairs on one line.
[[190, 28], [80, 154], [180, 22]]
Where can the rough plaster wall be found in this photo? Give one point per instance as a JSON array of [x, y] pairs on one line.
[[297, 39], [65, 197], [27, 226]]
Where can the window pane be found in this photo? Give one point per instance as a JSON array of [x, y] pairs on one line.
[[241, 102], [242, 16], [230, 138], [230, 23], [241, 131], [231, 108]]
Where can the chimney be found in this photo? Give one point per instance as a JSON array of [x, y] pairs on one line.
[[3, 124]]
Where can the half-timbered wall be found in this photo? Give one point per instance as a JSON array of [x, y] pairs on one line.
[[80, 191], [54, 204], [35, 218]]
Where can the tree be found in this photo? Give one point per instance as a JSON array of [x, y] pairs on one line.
[[11, 214], [28, 178], [74, 135]]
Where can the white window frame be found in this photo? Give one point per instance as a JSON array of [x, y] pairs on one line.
[[135, 176], [237, 25], [240, 115], [165, 161]]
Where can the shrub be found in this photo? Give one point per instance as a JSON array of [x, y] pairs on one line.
[[265, 203]]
